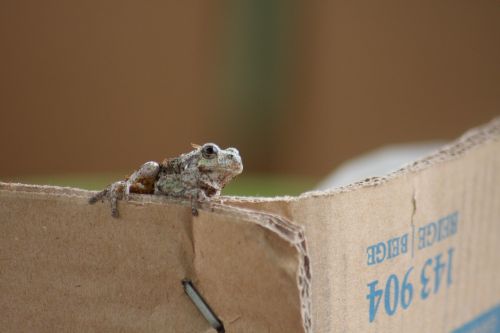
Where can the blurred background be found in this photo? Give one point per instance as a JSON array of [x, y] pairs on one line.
[[89, 90]]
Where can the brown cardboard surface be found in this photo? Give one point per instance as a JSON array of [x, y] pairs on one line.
[[462, 178], [69, 266], [66, 267]]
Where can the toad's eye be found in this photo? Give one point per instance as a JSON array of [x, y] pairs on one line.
[[209, 151]]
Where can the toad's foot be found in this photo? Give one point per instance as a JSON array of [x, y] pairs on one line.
[[197, 199], [194, 210], [113, 193]]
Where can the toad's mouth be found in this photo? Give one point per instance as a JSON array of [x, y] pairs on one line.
[[236, 166], [233, 169], [232, 163]]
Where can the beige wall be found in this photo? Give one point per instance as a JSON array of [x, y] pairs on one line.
[[391, 71], [101, 85], [89, 86]]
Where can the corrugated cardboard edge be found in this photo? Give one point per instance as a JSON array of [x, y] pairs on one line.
[[454, 150], [295, 235], [285, 229]]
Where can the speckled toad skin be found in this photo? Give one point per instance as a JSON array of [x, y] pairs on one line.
[[198, 175]]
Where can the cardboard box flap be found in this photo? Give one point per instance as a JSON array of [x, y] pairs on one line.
[[417, 250], [69, 266]]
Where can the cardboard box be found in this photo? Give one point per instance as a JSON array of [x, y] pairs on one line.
[[415, 251]]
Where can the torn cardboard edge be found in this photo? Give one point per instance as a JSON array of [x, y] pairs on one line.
[[285, 229], [471, 139]]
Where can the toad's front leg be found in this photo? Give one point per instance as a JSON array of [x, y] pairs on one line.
[[141, 181], [196, 197], [205, 190], [113, 193]]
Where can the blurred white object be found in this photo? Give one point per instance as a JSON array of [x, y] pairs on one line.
[[378, 162]]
